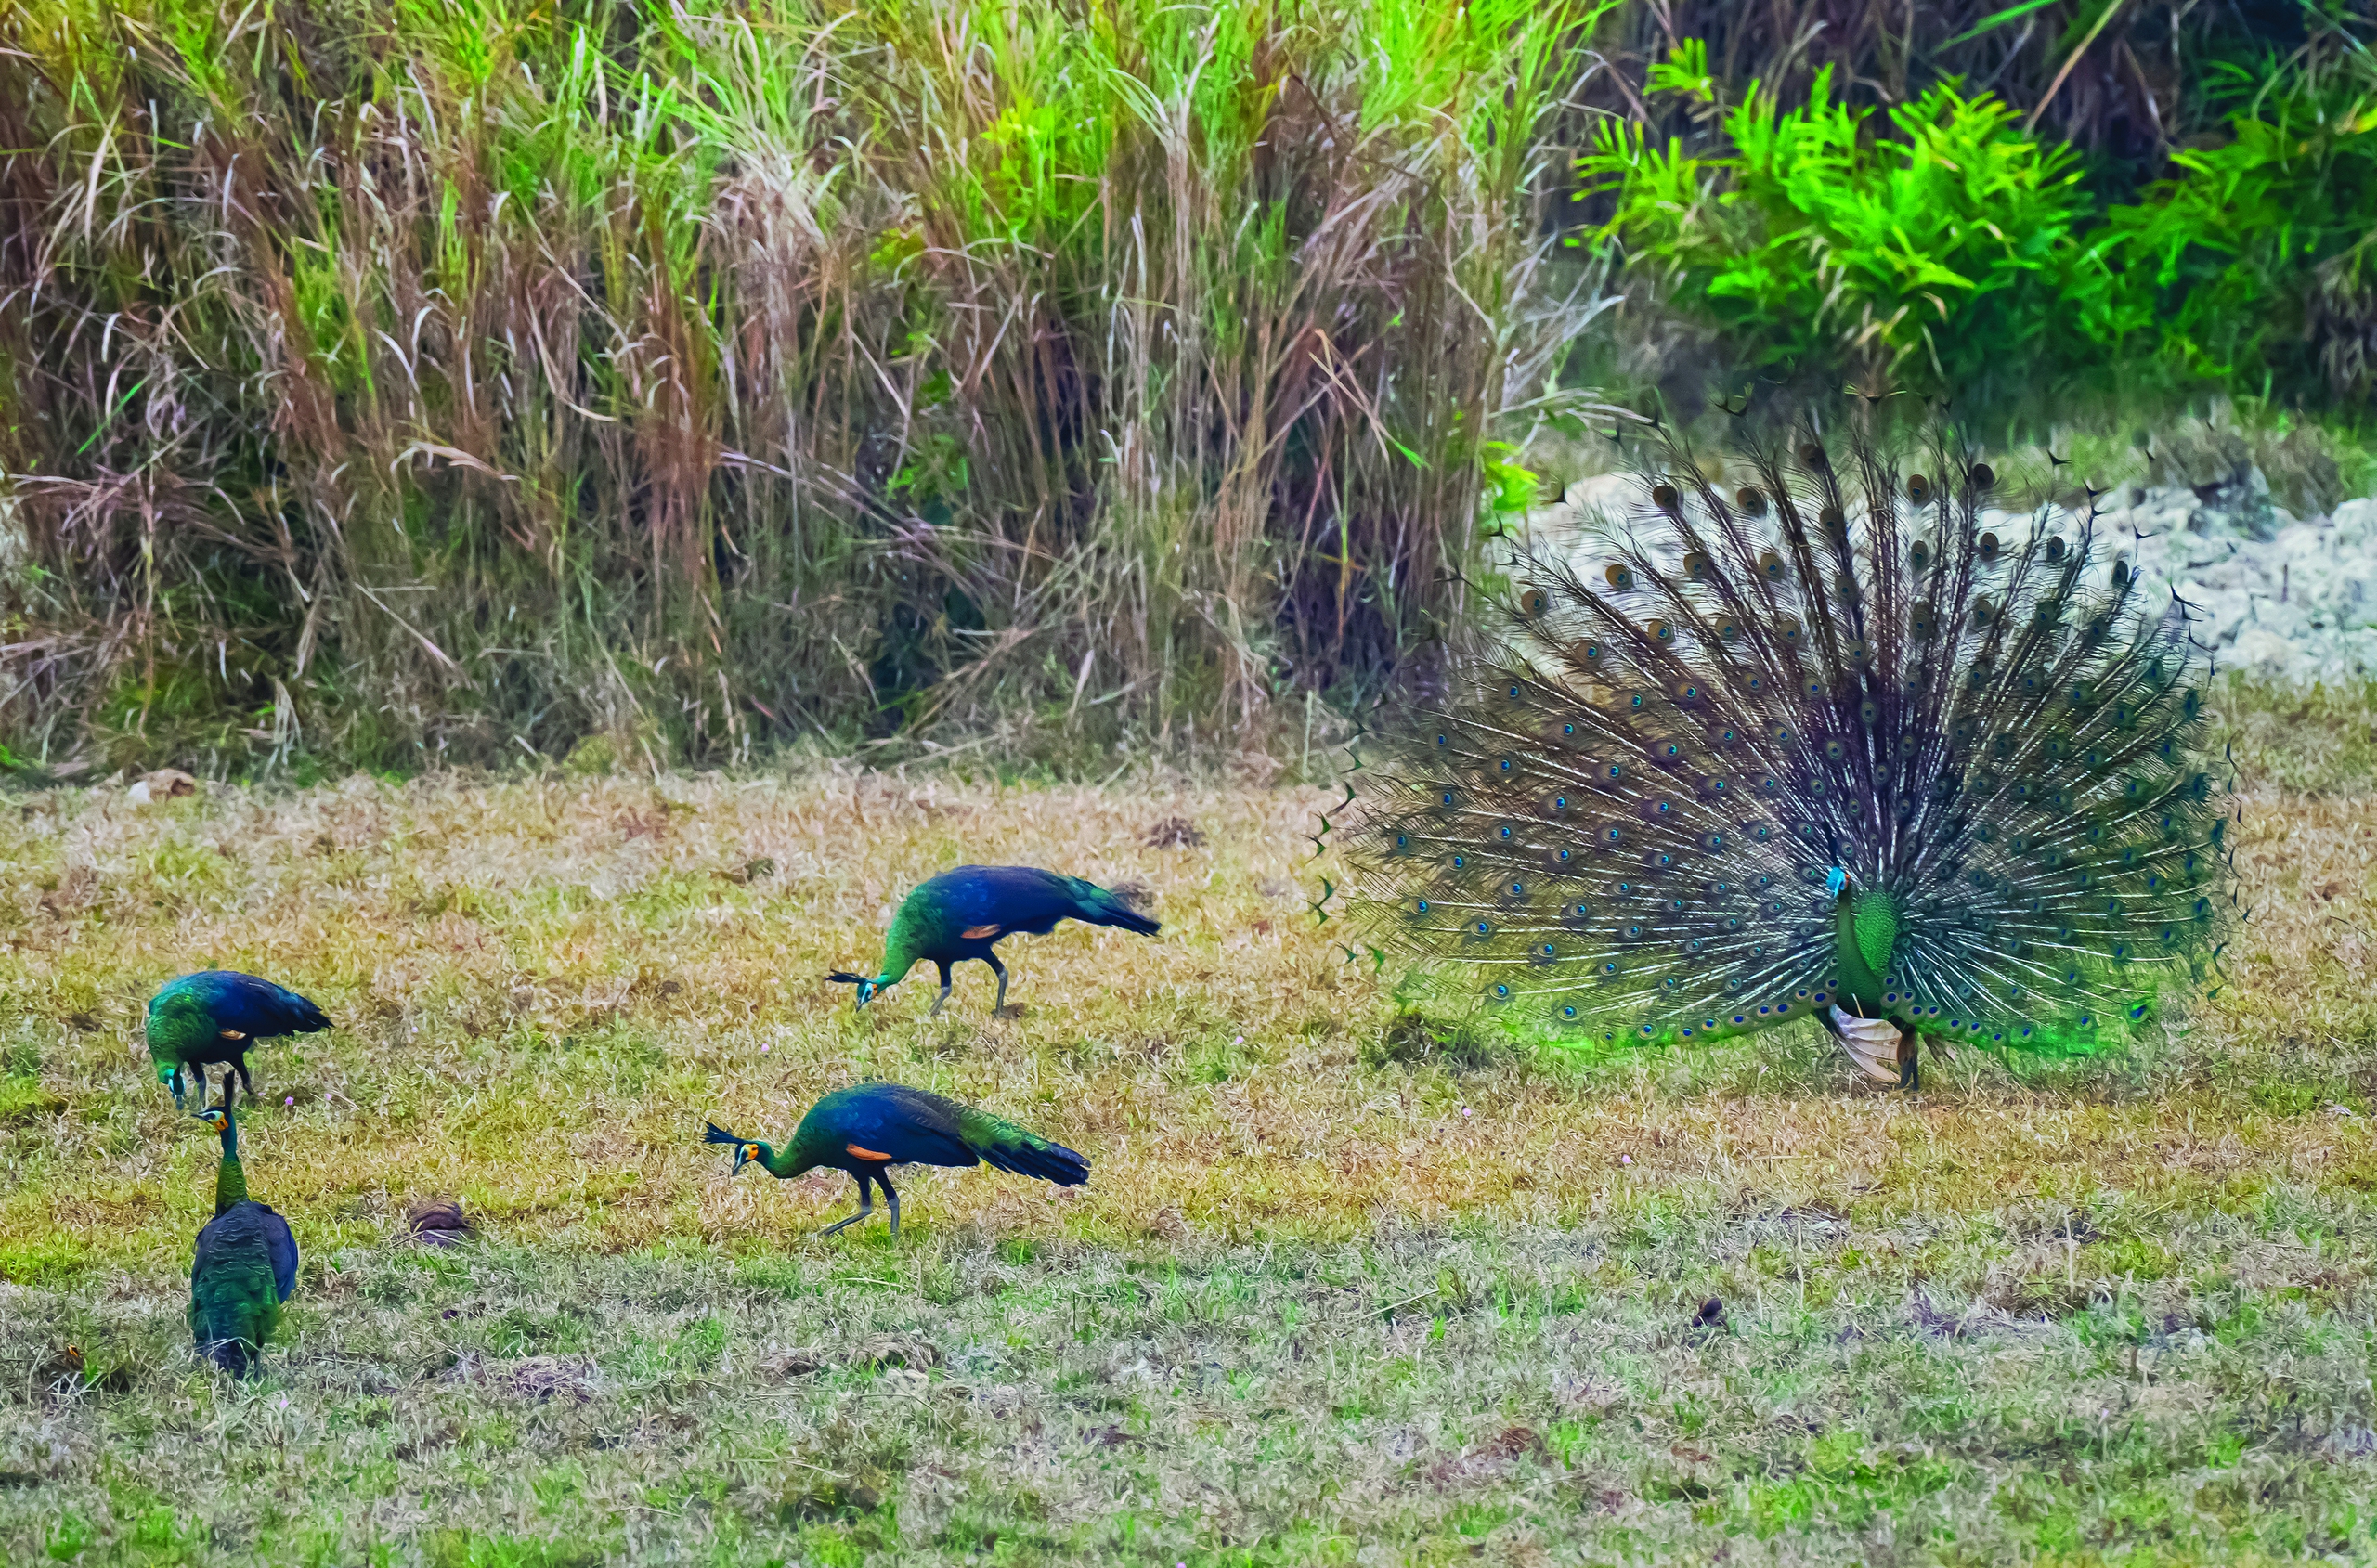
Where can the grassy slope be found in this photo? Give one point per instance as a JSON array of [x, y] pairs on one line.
[[1331, 1285]]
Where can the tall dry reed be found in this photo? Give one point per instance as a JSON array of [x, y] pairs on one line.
[[435, 381]]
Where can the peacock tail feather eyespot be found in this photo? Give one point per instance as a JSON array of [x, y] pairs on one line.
[[1618, 575], [1664, 498], [1750, 500]]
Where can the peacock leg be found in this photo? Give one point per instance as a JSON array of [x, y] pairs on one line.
[[179, 1104], [245, 1081], [1000, 970], [865, 1207], [1910, 1061], [893, 1200], [942, 999], [198, 1072]]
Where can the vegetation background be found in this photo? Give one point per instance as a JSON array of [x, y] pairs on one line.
[[466, 379], [637, 393]]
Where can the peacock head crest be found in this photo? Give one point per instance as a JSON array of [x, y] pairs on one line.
[[746, 1150], [867, 987]]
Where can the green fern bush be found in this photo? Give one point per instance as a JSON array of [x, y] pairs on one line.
[[1926, 247]]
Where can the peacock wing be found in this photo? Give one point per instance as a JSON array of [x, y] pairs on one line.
[[281, 1244], [909, 1126], [255, 1007], [1004, 898]]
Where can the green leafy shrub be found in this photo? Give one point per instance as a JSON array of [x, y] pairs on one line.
[[1929, 250], [2254, 265]]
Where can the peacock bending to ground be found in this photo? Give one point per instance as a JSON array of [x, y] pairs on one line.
[[960, 914], [869, 1128], [246, 1265], [215, 1016], [1815, 740]]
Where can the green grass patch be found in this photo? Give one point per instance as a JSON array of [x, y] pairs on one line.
[[1340, 1280]]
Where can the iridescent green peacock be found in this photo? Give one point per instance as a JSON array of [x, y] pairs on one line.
[[1811, 738]]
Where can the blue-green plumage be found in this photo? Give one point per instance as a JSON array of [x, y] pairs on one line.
[[1834, 738], [246, 1265], [869, 1128], [961, 914], [215, 1016]]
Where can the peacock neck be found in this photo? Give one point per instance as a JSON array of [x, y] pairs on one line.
[[901, 947], [786, 1163], [231, 1182], [1859, 982], [178, 1028]]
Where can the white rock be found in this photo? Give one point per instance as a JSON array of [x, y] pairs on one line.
[[2297, 606], [2356, 523]]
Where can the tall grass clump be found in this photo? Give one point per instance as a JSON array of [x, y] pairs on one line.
[[437, 381]]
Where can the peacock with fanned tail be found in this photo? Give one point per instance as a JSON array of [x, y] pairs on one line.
[[1815, 740]]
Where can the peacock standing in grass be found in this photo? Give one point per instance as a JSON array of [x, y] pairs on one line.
[[215, 1016], [246, 1266], [1823, 736], [960, 915], [869, 1128]]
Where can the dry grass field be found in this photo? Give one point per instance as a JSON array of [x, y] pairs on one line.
[[1344, 1287]]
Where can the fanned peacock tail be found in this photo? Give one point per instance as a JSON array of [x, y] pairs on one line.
[[1624, 820]]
